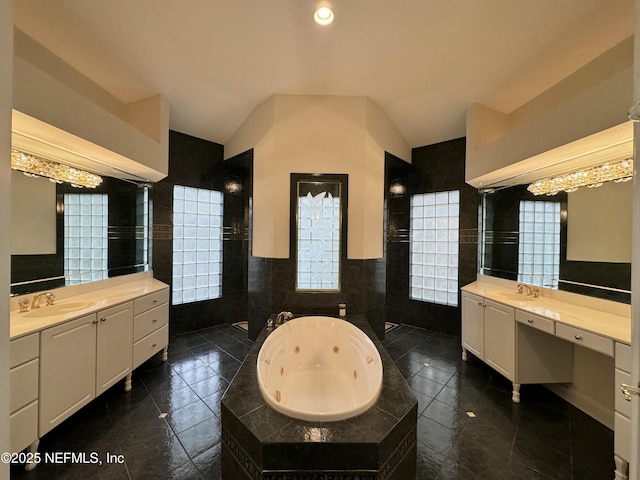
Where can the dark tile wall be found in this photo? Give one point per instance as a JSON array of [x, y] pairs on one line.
[[272, 289], [434, 168], [199, 163]]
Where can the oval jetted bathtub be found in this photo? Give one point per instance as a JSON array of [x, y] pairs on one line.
[[319, 369]]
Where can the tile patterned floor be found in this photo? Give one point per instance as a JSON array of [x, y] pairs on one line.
[[543, 438]]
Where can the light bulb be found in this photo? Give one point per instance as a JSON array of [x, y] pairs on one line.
[[323, 16]]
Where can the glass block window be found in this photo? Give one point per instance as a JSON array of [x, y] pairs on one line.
[[318, 236], [197, 244], [539, 243], [433, 257], [85, 237]]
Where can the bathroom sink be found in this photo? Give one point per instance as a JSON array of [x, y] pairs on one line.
[[509, 295], [60, 309]]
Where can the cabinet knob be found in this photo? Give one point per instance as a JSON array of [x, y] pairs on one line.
[[155, 301], [530, 320], [103, 319], [578, 337], [481, 304], [154, 345], [154, 320], [95, 322]]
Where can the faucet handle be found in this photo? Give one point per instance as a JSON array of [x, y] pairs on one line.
[[50, 298], [23, 303], [535, 292]]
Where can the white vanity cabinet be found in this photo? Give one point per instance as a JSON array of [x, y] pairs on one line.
[[80, 359], [515, 343], [24, 353], [500, 338], [622, 415], [150, 326], [472, 325]]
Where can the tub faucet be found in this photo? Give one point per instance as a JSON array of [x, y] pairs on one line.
[[36, 299], [283, 317]]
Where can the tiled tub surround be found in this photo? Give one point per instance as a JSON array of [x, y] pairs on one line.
[[260, 443], [66, 354], [531, 340]]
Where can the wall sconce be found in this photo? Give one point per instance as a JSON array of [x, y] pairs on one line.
[[232, 185], [34, 166], [397, 188], [621, 171]]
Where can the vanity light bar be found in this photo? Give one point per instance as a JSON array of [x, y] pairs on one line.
[[621, 171], [56, 172]]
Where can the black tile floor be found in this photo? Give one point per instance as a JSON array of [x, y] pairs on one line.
[[168, 426]]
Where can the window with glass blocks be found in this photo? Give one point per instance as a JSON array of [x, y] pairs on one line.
[[197, 244], [433, 252]]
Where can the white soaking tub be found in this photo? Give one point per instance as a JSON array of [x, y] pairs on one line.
[[319, 369]]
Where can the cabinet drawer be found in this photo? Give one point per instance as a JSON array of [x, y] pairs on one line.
[[143, 304], [23, 381], [534, 321], [23, 349], [23, 427], [622, 438], [623, 357], [150, 345], [622, 405], [146, 322], [586, 339]]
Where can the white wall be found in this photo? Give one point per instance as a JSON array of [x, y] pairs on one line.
[[318, 134], [48, 90], [6, 55], [595, 98]]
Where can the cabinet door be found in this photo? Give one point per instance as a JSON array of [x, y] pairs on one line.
[[67, 370], [473, 324], [500, 338], [114, 345]]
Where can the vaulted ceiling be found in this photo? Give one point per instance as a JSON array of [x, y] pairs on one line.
[[423, 61]]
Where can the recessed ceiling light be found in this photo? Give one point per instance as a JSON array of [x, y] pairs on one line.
[[323, 16]]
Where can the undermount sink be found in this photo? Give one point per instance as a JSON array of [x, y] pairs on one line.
[[509, 295], [60, 309]]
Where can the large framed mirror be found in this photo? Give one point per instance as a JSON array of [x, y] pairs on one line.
[[578, 242], [63, 235]]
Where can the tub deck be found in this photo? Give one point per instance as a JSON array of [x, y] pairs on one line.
[[260, 443]]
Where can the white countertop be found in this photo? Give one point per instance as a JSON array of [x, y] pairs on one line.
[[96, 299], [616, 327]]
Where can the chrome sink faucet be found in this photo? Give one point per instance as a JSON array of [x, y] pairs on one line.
[[36, 299]]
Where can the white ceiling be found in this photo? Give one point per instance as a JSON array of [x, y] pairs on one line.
[[423, 61]]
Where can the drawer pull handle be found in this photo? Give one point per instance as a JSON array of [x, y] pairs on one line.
[[578, 337], [154, 320], [154, 345], [530, 320], [155, 301]]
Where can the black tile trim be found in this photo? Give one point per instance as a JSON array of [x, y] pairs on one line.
[[397, 457], [162, 231], [241, 457]]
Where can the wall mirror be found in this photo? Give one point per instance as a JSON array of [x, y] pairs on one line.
[[62, 235], [578, 242]]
